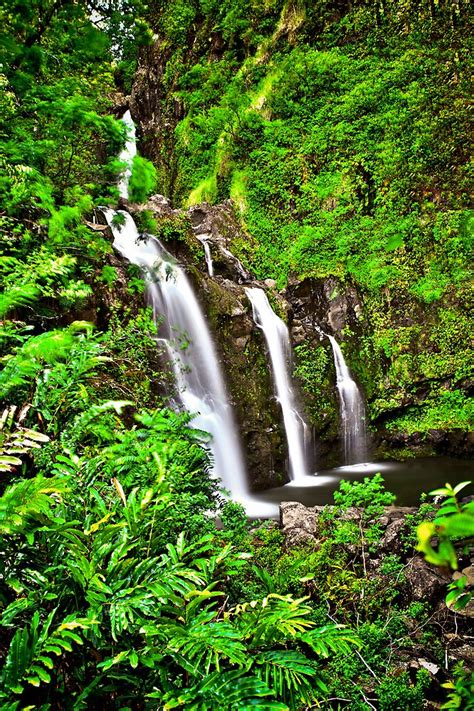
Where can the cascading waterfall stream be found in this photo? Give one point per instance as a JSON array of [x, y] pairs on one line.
[[207, 254], [278, 343], [196, 368], [354, 432], [243, 273], [128, 154]]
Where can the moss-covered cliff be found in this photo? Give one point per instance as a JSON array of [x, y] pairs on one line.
[[339, 132]]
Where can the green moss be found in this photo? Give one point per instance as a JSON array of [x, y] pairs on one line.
[[313, 368], [449, 410]]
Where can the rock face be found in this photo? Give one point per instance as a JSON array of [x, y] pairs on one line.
[[456, 442], [425, 581], [301, 524], [321, 306], [312, 309]]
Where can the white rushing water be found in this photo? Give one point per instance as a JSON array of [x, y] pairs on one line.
[[128, 154], [354, 432], [207, 253], [243, 273], [196, 368], [279, 348], [181, 322]]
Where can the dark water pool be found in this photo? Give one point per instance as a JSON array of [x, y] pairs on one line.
[[407, 480]]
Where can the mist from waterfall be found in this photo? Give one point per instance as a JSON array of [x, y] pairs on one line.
[[279, 348], [352, 410]]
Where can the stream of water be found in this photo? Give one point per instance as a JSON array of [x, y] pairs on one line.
[[279, 349], [352, 410], [185, 333], [128, 154]]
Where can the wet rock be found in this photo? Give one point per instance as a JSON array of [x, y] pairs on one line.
[[324, 305], [424, 581], [455, 443], [392, 540]]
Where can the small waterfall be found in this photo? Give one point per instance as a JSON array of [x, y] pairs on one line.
[[196, 368], [207, 253], [243, 273], [354, 433], [128, 154], [278, 343]]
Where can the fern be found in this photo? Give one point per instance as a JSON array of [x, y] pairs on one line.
[[273, 619], [29, 500], [336, 639], [290, 674], [17, 296], [30, 656], [206, 643], [16, 440], [233, 690]]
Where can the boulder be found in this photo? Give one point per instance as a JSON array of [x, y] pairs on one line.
[[424, 581], [299, 522]]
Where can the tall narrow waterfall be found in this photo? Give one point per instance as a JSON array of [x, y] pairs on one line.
[[207, 253], [196, 368], [128, 154], [354, 432], [278, 343]]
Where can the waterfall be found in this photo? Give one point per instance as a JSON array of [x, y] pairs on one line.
[[279, 348], [196, 368], [128, 154], [354, 433], [207, 253], [243, 273]]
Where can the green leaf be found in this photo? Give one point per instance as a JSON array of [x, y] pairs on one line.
[[462, 485], [133, 659]]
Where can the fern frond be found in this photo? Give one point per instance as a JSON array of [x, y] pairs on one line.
[[331, 638], [16, 440], [30, 656], [273, 619], [29, 499], [206, 643], [289, 673], [233, 690], [16, 297]]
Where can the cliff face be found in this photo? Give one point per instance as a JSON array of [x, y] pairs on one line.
[[331, 130], [312, 308]]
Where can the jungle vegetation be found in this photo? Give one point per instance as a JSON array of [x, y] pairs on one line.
[[117, 591]]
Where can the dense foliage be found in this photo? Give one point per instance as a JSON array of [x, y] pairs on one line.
[[340, 132], [117, 591]]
